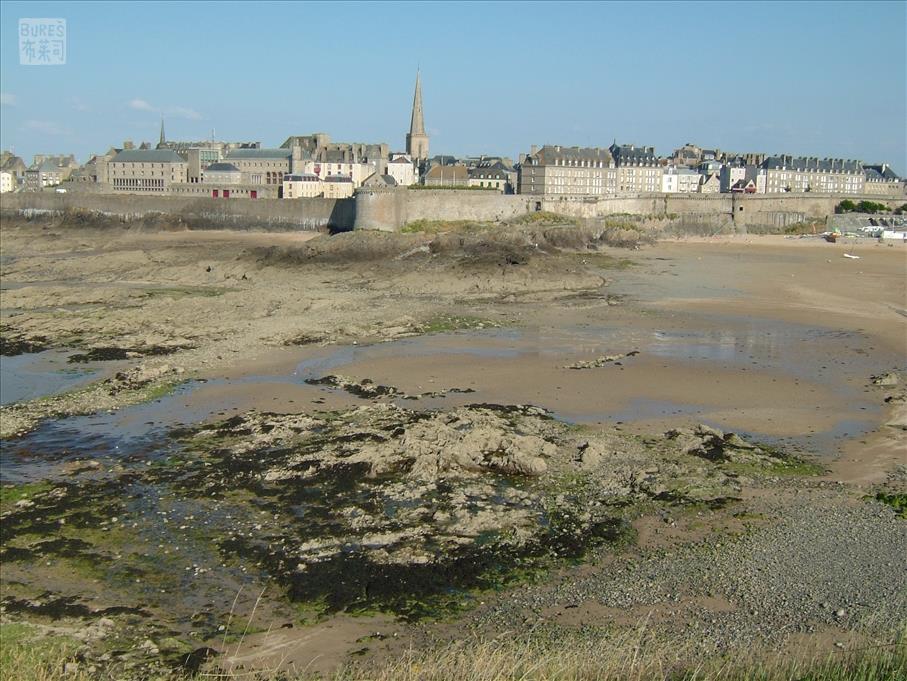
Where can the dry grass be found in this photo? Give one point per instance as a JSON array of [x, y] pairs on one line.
[[636, 655], [624, 660]]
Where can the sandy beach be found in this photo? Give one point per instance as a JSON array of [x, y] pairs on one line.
[[783, 341]]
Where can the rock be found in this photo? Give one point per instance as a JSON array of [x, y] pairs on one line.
[[601, 361], [889, 379]]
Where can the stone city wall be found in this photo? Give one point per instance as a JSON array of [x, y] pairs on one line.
[[196, 212], [391, 209]]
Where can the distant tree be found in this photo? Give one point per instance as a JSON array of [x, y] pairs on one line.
[[871, 207], [846, 206], [901, 210]]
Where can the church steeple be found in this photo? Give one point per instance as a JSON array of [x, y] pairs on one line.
[[417, 123], [417, 140], [163, 138]]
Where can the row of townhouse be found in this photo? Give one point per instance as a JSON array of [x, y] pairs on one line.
[[593, 171], [628, 169]]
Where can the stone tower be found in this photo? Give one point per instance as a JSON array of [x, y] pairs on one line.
[[417, 140]]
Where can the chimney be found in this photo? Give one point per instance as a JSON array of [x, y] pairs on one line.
[[533, 150]]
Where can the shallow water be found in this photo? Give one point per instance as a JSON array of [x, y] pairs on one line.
[[39, 374], [839, 361]]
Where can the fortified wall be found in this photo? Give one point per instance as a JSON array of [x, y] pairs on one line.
[[391, 209], [196, 212]]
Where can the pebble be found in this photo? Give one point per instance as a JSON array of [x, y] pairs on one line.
[[778, 579]]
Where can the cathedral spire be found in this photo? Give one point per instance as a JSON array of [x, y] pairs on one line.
[[417, 123], [163, 139], [417, 140]]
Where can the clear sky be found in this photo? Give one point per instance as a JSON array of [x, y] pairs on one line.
[[822, 79]]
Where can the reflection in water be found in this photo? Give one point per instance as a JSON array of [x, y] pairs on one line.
[[789, 349], [38, 374]]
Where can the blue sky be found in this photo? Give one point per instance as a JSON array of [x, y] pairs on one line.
[[824, 79]]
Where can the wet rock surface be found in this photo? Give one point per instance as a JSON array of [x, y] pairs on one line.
[[602, 361], [409, 512], [16, 344], [106, 354], [368, 389]]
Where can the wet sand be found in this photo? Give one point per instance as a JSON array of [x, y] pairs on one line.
[[771, 337]]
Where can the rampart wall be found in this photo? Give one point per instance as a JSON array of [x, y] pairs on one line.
[[194, 212], [391, 209]]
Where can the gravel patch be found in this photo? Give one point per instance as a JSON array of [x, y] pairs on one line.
[[826, 562]]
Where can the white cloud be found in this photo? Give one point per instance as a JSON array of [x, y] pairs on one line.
[[79, 105], [183, 112], [140, 105], [46, 128], [8, 99], [171, 111]]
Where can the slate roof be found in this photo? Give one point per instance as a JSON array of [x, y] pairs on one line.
[[301, 177], [338, 178], [495, 172], [884, 172], [380, 180], [147, 156], [823, 165], [630, 154], [549, 153], [241, 154], [222, 168]]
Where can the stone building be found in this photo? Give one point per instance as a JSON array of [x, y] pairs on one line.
[[49, 171], [338, 162], [200, 155], [7, 181], [639, 170], [337, 187], [680, 180], [12, 164], [570, 171], [711, 184], [881, 180], [302, 186], [403, 170], [140, 171], [261, 166], [810, 174], [416, 139], [730, 174], [222, 173], [317, 149], [493, 176], [456, 175]]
